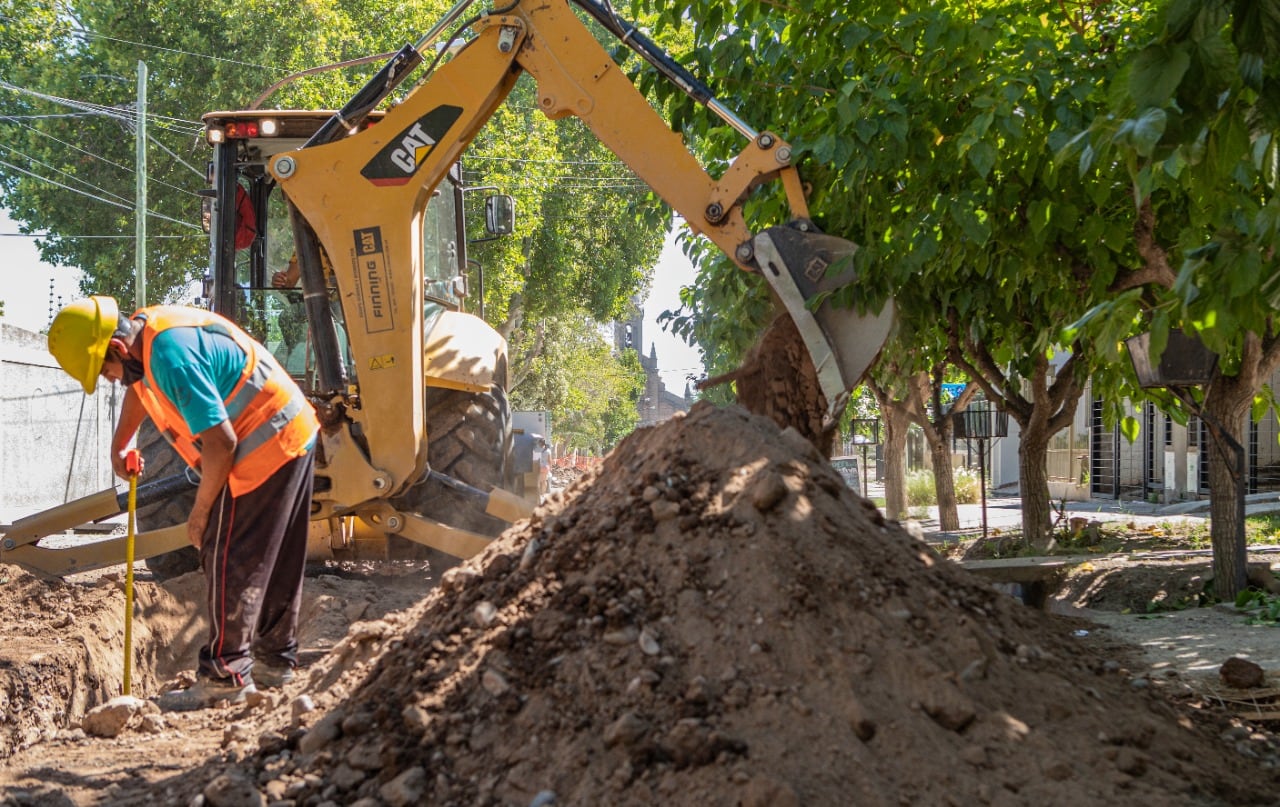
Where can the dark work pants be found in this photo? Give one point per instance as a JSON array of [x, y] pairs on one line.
[[254, 555]]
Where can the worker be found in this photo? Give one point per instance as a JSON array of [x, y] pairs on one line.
[[287, 278], [233, 414]]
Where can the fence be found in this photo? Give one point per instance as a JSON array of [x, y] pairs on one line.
[[575, 461]]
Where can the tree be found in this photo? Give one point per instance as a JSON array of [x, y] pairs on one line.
[[928, 137], [587, 237], [590, 392], [69, 118], [917, 397], [587, 240], [1194, 118]]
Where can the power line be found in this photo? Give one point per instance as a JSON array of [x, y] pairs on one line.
[[99, 156], [113, 203], [85, 106], [129, 118], [125, 113], [181, 161], [561, 188], [94, 35], [577, 182], [73, 237], [615, 163], [18, 118], [71, 177], [85, 32]]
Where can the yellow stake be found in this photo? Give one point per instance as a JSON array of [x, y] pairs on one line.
[[133, 466]]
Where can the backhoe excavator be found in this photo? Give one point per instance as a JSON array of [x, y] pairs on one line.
[[411, 391]]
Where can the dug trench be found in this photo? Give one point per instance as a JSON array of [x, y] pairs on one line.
[[712, 618]]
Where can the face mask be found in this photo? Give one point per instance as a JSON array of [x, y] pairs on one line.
[[133, 371]]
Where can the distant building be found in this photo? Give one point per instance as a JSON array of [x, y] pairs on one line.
[[656, 404]]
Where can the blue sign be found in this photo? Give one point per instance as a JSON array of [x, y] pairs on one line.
[[952, 391]]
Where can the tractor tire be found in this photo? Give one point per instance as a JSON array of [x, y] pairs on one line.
[[159, 461], [469, 439]]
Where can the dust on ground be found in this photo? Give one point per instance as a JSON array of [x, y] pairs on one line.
[[713, 618]]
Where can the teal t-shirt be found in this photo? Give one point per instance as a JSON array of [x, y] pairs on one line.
[[196, 369]]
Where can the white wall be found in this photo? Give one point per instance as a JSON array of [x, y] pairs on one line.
[[54, 440]]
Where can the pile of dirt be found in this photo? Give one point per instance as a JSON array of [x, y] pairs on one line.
[[716, 619]]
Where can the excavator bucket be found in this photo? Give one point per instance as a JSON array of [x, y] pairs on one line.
[[796, 258]]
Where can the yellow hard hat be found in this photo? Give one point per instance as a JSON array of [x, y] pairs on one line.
[[79, 336]]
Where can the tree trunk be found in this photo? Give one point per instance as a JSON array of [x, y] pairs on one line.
[[1033, 485], [1225, 409], [895, 461], [944, 483]]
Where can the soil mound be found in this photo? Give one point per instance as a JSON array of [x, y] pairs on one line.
[[714, 618]]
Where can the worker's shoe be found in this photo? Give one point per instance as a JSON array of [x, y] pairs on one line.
[[206, 693], [269, 676]]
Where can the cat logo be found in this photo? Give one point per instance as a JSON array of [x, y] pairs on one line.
[[399, 160], [382, 362]]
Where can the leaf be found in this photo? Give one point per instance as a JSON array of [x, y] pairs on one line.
[[1039, 213], [1259, 408], [1148, 129], [982, 157], [1129, 427], [1251, 70], [1247, 597], [977, 230], [1156, 73], [1086, 159], [896, 125], [866, 129]]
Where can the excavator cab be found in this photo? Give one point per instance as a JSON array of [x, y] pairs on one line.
[[254, 279]]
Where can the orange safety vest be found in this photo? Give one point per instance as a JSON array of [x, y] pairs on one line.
[[273, 421]]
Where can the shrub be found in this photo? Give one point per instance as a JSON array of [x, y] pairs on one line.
[[920, 489], [966, 486]]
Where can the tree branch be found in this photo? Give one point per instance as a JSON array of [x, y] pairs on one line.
[[1155, 267], [983, 369]]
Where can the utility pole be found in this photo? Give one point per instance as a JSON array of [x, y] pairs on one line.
[[140, 192]]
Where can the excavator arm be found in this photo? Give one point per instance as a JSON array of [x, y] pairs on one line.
[[361, 197]]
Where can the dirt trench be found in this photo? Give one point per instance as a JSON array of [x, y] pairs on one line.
[[63, 649], [713, 618]]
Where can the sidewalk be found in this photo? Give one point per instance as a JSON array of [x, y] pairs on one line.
[[1004, 511]]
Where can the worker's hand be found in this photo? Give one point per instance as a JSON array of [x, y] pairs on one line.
[[121, 465], [195, 529], [133, 463], [288, 277]]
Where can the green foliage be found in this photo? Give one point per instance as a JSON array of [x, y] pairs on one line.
[[927, 135], [1263, 608], [1262, 529], [590, 392], [1194, 127], [722, 312], [68, 136], [968, 490], [920, 489], [587, 234]]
